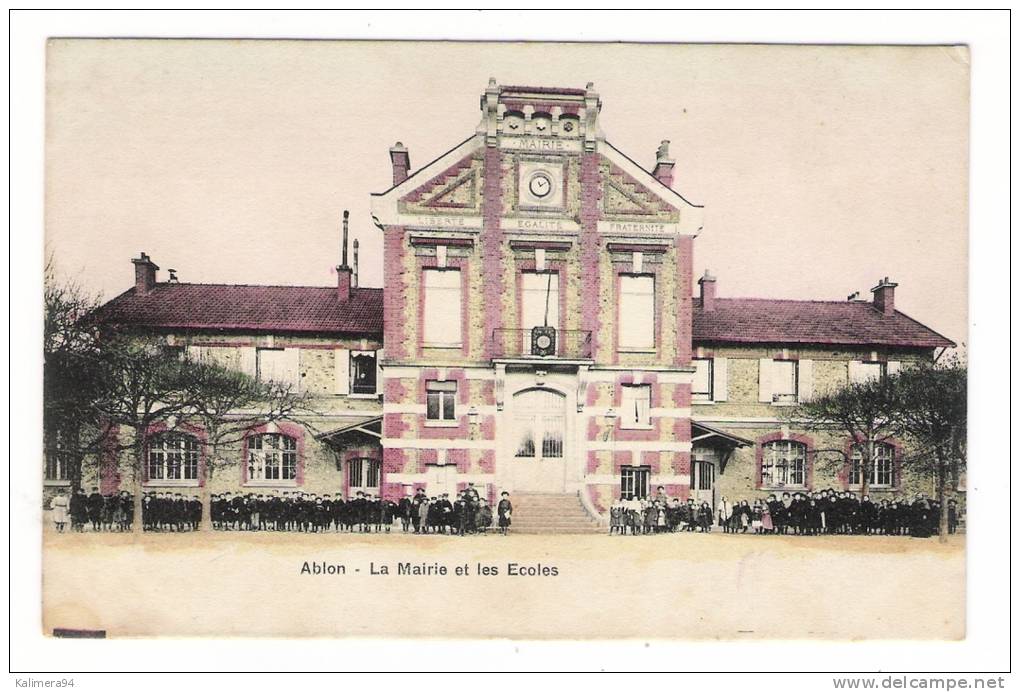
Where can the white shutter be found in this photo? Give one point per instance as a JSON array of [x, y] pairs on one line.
[[197, 353], [378, 371], [248, 360], [292, 369], [720, 379], [855, 372], [342, 369], [765, 380], [805, 380], [892, 367]]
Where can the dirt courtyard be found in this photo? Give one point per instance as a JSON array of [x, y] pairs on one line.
[[688, 586]]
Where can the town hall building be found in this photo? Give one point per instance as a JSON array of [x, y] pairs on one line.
[[539, 331]]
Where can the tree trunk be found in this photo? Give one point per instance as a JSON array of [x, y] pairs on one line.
[[943, 506], [138, 451], [206, 524]]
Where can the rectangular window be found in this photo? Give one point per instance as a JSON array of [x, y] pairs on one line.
[[637, 313], [278, 365], [363, 372], [363, 474], [540, 304], [440, 400], [783, 464], [173, 457], [442, 306], [57, 464], [272, 457], [702, 387], [636, 404], [634, 482], [784, 381], [882, 471], [703, 476], [870, 371]]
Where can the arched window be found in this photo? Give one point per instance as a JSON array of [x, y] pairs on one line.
[[783, 464], [881, 471], [272, 457], [173, 457]]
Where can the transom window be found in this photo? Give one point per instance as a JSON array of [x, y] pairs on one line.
[[882, 469], [637, 313], [440, 400], [783, 463], [173, 457], [363, 372], [272, 457], [635, 406], [702, 388], [634, 482]]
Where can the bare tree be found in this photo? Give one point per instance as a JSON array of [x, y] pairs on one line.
[[931, 406], [144, 384], [863, 411], [72, 373], [229, 405]]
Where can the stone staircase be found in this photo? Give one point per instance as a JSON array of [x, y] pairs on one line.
[[551, 513]]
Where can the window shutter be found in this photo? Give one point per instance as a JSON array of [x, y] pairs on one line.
[[805, 380], [378, 371], [892, 367], [293, 359], [720, 379], [854, 372], [342, 368], [248, 361], [765, 380]]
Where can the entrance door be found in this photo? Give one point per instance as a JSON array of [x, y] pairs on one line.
[[441, 479], [703, 476], [363, 475], [539, 427]]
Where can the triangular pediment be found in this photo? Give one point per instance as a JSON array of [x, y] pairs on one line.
[[619, 200], [462, 193]]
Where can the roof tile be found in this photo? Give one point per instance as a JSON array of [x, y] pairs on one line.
[[248, 308]]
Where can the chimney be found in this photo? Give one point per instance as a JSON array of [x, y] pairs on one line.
[[707, 284], [145, 274], [343, 272], [663, 170], [885, 296], [401, 161], [354, 278]]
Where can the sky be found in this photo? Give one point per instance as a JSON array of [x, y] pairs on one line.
[[821, 169]]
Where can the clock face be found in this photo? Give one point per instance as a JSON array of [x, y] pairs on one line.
[[543, 341], [540, 185]]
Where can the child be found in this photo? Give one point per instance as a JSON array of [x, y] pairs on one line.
[[59, 506]]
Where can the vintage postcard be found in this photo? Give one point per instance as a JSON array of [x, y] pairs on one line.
[[578, 341]]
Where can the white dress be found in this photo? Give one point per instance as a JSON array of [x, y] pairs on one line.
[[59, 506]]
